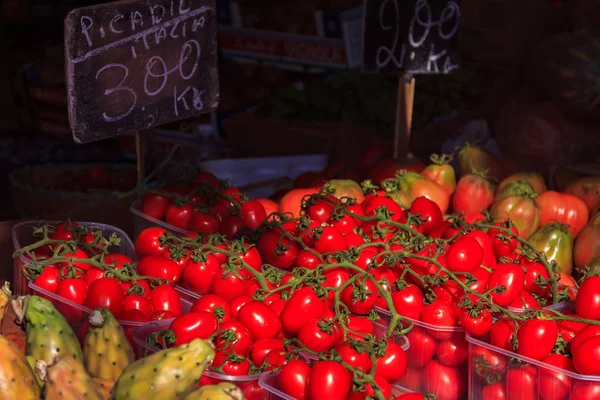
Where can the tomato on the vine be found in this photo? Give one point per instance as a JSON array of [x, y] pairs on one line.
[[230, 364], [159, 267], [440, 314], [48, 279], [227, 285], [392, 365], [165, 298], [205, 222], [73, 289], [429, 213], [476, 322], [105, 293], [262, 347], [464, 255], [318, 335], [233, 336], [353, 354], [261, 321], [215, 305], [194, 325], [503, 243], [537, 338], [198, 276], [328, 380], [231, 226], [277, 250], [303, 306], [360, 296], [502, 333], [330, 240], [511, 277], [409, 301], [253, 213], [587, 302], [293, 378], [148, 243], [179, 216]]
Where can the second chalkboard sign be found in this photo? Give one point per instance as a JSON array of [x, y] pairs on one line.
[[413, 36], [136, 64]]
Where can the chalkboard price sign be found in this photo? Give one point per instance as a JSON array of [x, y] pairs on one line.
[[136, 64], [412, 36]]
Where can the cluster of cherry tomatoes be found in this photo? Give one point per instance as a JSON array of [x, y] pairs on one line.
[[77, 266], [204, 205]]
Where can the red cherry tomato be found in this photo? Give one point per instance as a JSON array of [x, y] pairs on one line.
[[148, 243], [105, 293], [328, 380], [196, 325], [511, 277], [261, 321], [303, 306], [233, 336], [198, 276], [293, 378], [72, 289], [360, 297], [179, 216], [165, 298], [330, 240], [213, 304], [205, 222], [48, 279], [392, 365], [277, 250], [537, 338], [428, 211], [155, 205], [464, 255], [253, 213], [439, 314]]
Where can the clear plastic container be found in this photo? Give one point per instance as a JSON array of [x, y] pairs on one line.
[[77, 315], [22, 235], [380, 331], [143, 221], [561, 307], [495, 371], [269, 382], [260, 177], [186, 293], [248, 383], [433, 349]]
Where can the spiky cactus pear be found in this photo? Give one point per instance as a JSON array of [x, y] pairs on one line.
[[48, 333], [5, 295], [106, 350], [169, 374], [221, 391], [105, 386], [17, 380], [66, 379]]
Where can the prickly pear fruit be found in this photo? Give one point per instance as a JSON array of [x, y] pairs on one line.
[[169, 374], [48, 333], [221, 391], [35, 367], [106, 350], [66, 379], [105, 386], [5, 295], [17, 380]]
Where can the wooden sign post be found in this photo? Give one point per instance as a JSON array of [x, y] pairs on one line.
[[136, 64], [410, 37]]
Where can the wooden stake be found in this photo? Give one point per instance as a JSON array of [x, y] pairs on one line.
[[140, 156], [404, 114]]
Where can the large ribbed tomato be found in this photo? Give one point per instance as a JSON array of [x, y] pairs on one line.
[[521, 209], [587, 245], [562, 208]]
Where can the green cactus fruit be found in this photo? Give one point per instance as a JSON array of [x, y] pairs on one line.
[[169, 374], [106, 350], [48, 333], [66, 379], [17, 380], [221, 391]]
